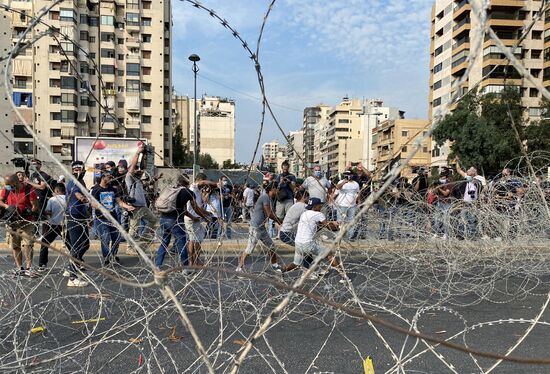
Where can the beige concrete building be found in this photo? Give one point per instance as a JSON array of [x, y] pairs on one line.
[[342, 138], [452, 38], [109, 75], [273, 154], [294, 153], [216, 127], [310, 126], [180, 117], [394, 139]]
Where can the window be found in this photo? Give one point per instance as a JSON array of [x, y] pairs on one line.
[[145, 21], [146, 87], [84, 35], [120, 41], [67, 15], [132, 69], [132, 85], [20, 82], [84, 19], [535, 53], [84, 101], [23, 147], [404, 149], [146, 4], [84, 69], [534, 112], [437, 85], [438, 67], [108, 20], [536, 34], [54, 15], [146, 55], [55, 83], [146, 103], [68, 83], [64, 66], [132, 4], [146, 70], [533, 92], [107, 69], [92, 40], [120, 57], [68, 116], [67, 48], [145, 119], [436, 102], [107, 36], [55, 99], [93, 21], [425, 149], [132, 133], [110, 53], [120, 104], [132, 19], [55, 133], [146, 38], [55, 116], [19, 131], [67, 98], [343, 121], [120, 73], [404, 133], [22, 99]]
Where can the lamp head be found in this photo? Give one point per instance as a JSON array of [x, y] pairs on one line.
[[194, 58]]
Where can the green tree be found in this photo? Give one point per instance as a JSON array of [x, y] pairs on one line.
[[480, 130], [178, 148]]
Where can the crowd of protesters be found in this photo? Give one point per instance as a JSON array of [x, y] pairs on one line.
[[39, 208]]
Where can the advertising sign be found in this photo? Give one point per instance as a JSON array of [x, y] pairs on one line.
[[96, 151]]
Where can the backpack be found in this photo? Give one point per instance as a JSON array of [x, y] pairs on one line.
[[166, 202]]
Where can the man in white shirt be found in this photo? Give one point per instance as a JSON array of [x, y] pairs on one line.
[[316, 185], [287, 231], [195, 229], [346, 200], [248, 203], [311, 221], [53, 228], [470, 191]]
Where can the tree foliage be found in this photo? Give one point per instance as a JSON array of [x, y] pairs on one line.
[[183, 157], [480, 130]]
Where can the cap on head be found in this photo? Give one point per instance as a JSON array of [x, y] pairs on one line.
[[313, 202], [77, 164]]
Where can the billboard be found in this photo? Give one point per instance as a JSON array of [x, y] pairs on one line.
[[96, 151]]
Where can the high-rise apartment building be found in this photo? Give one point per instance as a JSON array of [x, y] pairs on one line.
[[295, 151], [105, 72], [343, 138], [180, 118], [453, 35], [216, 127], [394, 139], [312, 118]]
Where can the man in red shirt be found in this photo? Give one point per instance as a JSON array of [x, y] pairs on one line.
[[23, 197]]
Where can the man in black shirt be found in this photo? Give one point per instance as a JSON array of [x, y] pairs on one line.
[[227, 202], [40, 181], [108, 197], [171, 221]]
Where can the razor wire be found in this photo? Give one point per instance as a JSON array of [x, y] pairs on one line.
[[401, 267]]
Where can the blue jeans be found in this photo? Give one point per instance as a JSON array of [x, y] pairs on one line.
[[228, 217], [109, 236], [172, 226], [441, 224], [78, 241], [287, 237], [345, 215]]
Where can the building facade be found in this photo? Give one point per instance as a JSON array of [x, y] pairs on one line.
[[180, 117], [107, 72], [394, 140], [453, 35], [215, 127], [294, 153]]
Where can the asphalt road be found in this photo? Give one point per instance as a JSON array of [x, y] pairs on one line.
[[142, 333]]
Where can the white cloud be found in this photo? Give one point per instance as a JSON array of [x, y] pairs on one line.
[[390, 33]]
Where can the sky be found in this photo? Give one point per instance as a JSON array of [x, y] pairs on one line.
[[312, 52]]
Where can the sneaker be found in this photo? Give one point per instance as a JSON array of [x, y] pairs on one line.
[[313, 276], [76, 282], [344, 279], [42, 269], [19, 272], [322, 272], [107, 261], [117, 260], [66, 273], [31, 273], [276, 267], [240, 270]]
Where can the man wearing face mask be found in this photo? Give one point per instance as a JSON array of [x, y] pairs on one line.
[[316, 185], [138, 199]]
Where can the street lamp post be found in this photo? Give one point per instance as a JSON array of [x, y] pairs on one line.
[[195, 58]]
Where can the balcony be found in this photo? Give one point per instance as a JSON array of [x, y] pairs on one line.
[[462, 7]]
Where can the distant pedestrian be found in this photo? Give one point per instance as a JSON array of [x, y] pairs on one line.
[[53, 227]]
